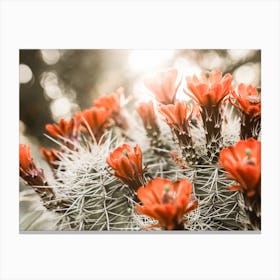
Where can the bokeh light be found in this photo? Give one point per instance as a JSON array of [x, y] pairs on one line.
[[49, 82], [212, 60], [248, 73], [240, 54], [50, 57], [25, 74], [61, 108]]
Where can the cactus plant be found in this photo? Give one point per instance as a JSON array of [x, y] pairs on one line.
[[172, 173]]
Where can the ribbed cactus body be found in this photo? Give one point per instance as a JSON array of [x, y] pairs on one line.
[[90, 198]]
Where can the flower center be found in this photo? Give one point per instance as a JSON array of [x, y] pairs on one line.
[[249, 159], [125, 153], [167, 188], [248, 152], [168, 197]]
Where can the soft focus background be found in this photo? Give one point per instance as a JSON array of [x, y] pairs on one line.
[[55, 84]]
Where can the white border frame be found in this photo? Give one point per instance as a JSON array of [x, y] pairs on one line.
[[146, 24]]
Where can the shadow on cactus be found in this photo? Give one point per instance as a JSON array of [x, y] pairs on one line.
[[174, 165]]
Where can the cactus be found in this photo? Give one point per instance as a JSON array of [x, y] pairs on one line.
[[104, 163], [219, 208], [89, 197]]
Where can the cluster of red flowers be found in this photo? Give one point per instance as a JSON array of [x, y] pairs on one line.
[[168, 202], [162, 200], [106, 111], [209, 91]]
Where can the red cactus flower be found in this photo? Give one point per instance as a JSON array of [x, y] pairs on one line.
[[177, 116], [127, 163], [247, 99], [95, 121], [27, 169], [34, 176], [69, 130], [51, 157], [26, 164], [243, 162], [163, 86], [209, 90], [113, 103], [110, 101], [147, 113], [167, 202]]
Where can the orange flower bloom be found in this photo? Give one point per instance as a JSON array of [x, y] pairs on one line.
[[127, 163], [209, 90], [51, 157], [110, 101], [26, 164], [147, 113], [177, 116], [113, 103], [34, 176], [243, 162], [167, 202], [163, 86], [27, 168], [248, 99], [95, 121], [69, 130]]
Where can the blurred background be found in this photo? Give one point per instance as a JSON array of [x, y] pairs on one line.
[[55, 84]]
